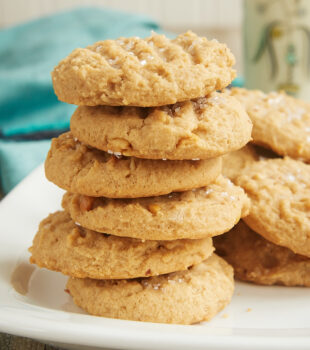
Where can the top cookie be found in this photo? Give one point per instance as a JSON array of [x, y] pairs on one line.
[[202, 128], [279, 190], [143, 72], [280, 122]]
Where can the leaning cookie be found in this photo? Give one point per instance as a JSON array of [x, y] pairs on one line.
[[184, 297], [61, 245], [154, 71], [78, 168], [203, 128], [280, 122], [235, 162], [257, 260], [200, 213], [279, 190]]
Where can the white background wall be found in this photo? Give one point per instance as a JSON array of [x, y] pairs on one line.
[[221, 19]]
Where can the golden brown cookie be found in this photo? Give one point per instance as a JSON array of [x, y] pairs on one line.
[[235, 162], [202, 128], [61, 245], [204, 212], [147, 72], [185, 297], [78, 168], [280, 122], [279, 190], [257, 260]]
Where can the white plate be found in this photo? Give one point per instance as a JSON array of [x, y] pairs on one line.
[[33, 302]]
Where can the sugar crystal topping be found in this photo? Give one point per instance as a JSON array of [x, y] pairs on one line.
[[295, 114], [216, 100], [195, 43], [208, 191], [224, 194], [129, 46], [274, 99], [116, 154], [290, 177], [113, 62]]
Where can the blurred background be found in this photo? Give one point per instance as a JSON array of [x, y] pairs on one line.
[[221, 19], [269, 38]]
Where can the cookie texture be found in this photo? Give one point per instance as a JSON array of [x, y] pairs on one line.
[[279, 190], [204, 212], [257, 260], [235, 162], [280, 122], [61, 245], [203, 128], [143, 72], [184, 297], [78, 168]]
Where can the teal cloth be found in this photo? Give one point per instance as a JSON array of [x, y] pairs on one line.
[[238, 82], [28, 53], [17, 159]]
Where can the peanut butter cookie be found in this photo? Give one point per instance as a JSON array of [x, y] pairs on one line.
[[279, 190], [184, 297], [61, 245], [78, 168], [147, 72], [204, 212], [257, 260], [280, 122], [203, 128]]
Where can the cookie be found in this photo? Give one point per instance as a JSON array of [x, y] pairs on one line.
[[78, 168], [257, 260], [202, 128], [147, 72], [61, 245], [204, 212], [185, 297], [235, 162], [280, 122], [279, 190]]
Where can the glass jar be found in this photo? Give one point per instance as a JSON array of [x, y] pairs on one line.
[[277, 46]]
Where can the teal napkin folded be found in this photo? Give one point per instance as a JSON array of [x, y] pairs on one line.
[[28, 105], [17, 159]]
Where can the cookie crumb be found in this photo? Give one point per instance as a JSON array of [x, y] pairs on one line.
[[225, 316], [248, 309]]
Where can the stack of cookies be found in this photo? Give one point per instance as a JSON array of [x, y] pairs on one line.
[[142, 167], [272, 244]]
